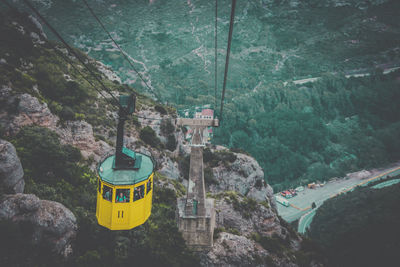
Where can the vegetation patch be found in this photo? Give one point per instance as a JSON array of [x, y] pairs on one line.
[[148, 135], [359, 228], [55, 172], [214, 158]]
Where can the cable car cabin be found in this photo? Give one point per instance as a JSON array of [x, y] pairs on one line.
[[124, 196]]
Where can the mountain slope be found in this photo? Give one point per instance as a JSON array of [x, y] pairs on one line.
[[59, 151]]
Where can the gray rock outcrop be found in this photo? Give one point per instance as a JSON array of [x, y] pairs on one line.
[[80, 135], [51, 221], [169, 168], [245, 176], [24, 109], [234, 250], [11, 172], [236, 212]]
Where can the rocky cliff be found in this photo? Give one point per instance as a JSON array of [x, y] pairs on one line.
[[51, 222], [11, 172]]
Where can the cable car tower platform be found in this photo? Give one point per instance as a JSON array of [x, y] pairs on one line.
[[196, 213]]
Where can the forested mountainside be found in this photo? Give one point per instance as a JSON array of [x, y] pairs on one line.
[[55, 128], [360, 228], [298, 132]]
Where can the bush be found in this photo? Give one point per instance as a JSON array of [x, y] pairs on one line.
[[167, 127], [44, 158], [161, 109], [67, 114], [209, 178], [148, 135], [184, 166], [171, 142]]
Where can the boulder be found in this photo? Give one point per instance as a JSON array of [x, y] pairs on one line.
[[51, 221], [11, 172]]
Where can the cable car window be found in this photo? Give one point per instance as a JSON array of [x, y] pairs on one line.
[[122, 195], [148, 186], [107, 192], [99, 186], [138, 193]]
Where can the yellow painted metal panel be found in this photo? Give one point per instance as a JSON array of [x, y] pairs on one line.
[[124, 216]]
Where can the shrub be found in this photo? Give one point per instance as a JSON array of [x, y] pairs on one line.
[[209, 178], [184, 166], [258, 184], [167, 127], [79, 116], [67, 114], [43, 157], [161, 109], [171, 142], [148, 135]]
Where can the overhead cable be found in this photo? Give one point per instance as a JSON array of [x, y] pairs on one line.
[[119, 48], [216, 54], [71, 50], [228, 51]]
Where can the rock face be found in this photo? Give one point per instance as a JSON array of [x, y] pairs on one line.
[[80, 135], [169, 169], [23, 109], [241, 220], [240, 213], [51, 221], [245, 176], [234, 250], [11, 173]]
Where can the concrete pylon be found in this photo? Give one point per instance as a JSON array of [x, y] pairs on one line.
[[196, 214], [195, 200]]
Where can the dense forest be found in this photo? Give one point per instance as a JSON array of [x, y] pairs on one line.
[[360, 228], [317, 130]]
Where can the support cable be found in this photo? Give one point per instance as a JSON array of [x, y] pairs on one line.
[[228, 51], [119, 48], [71, 50], [216, 54], [70, 62], [66, 59]]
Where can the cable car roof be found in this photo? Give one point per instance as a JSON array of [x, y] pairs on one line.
[[125, 177]]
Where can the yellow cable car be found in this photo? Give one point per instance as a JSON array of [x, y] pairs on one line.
[[125, 185], [124, 197]]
